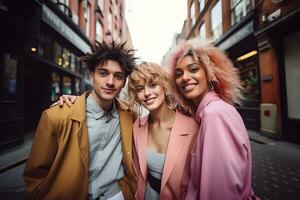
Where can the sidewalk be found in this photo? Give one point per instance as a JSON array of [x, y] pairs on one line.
[[12, 165], [276, 168], [15, 156]]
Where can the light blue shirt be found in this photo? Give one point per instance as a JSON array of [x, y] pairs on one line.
[[105, 150]]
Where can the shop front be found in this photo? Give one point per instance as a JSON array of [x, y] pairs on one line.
[[19, 22], [40, 60], [291, 85], [54, 68], [240, 45], [279, 51]]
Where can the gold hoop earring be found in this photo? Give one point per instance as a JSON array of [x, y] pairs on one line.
[[169, 101], [210, 85]]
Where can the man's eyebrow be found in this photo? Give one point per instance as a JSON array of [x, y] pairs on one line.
[[102, 69]]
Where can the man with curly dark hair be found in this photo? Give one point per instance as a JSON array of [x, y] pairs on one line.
[[84, 151]]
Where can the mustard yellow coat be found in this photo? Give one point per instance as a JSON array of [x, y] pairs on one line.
[[57, 167]]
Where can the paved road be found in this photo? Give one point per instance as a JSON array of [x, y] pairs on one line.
[[276, 170]]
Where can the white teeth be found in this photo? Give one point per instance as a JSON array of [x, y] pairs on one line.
[[188, 87]]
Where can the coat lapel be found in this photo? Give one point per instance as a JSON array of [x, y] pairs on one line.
[[126, 121], [79, 115], [142, 138], [176, 143]]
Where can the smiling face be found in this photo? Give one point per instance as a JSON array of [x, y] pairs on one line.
[[150, 94], [191, 79], [108, 80]]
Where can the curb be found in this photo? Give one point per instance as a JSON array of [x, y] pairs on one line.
[[13, 165]]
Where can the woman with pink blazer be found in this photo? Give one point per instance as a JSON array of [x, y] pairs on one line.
[[209, 85], [163, 139]]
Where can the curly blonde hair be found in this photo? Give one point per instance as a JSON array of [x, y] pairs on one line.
[[219, 70], [150, 71]]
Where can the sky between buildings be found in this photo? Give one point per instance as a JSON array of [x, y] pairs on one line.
[[152, 24]]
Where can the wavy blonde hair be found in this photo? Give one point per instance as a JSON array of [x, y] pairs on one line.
[[150, 71], [219, 70]]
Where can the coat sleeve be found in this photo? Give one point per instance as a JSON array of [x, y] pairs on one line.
[[135, 159], [222, 159], [41, 157]]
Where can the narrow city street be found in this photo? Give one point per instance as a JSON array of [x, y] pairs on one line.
[[234, 48], [276, 170]]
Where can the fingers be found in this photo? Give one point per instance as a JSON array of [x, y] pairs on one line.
[[72, 99], [61, 101], [66, 100]]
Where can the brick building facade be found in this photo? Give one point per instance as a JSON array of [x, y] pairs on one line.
[[260, 38], [41, 45]]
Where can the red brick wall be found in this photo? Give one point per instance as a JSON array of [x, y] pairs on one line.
[[226, 18], [270, 91], [267, 7], [268, 66], [268, 60], [81, 15], [92, 35], [74, 6]]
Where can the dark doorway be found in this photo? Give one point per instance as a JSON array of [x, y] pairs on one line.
[[36, 93]]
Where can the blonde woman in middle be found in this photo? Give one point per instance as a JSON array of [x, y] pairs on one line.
[[163, 139]]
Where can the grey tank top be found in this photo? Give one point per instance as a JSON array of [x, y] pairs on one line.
[[155, 165]]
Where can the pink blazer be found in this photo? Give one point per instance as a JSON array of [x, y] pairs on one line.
[[221, 166], [175, 175]]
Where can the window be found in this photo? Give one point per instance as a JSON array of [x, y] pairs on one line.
[[109, 24], [78, 65], [67, 85], [99, 31], [55, 91], [193, 17], [201, 5], [77, 86], [75, 18], [73, 62], [100, 5], [248, 70], [45, 46], [216, 20], [115, 35], [9, 77], [292, 73], [63, 5], [202, 31], [66, 2], [239, 9], [121, 11], [57, 54], [87, 20], [66, 58], [116, 9]]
